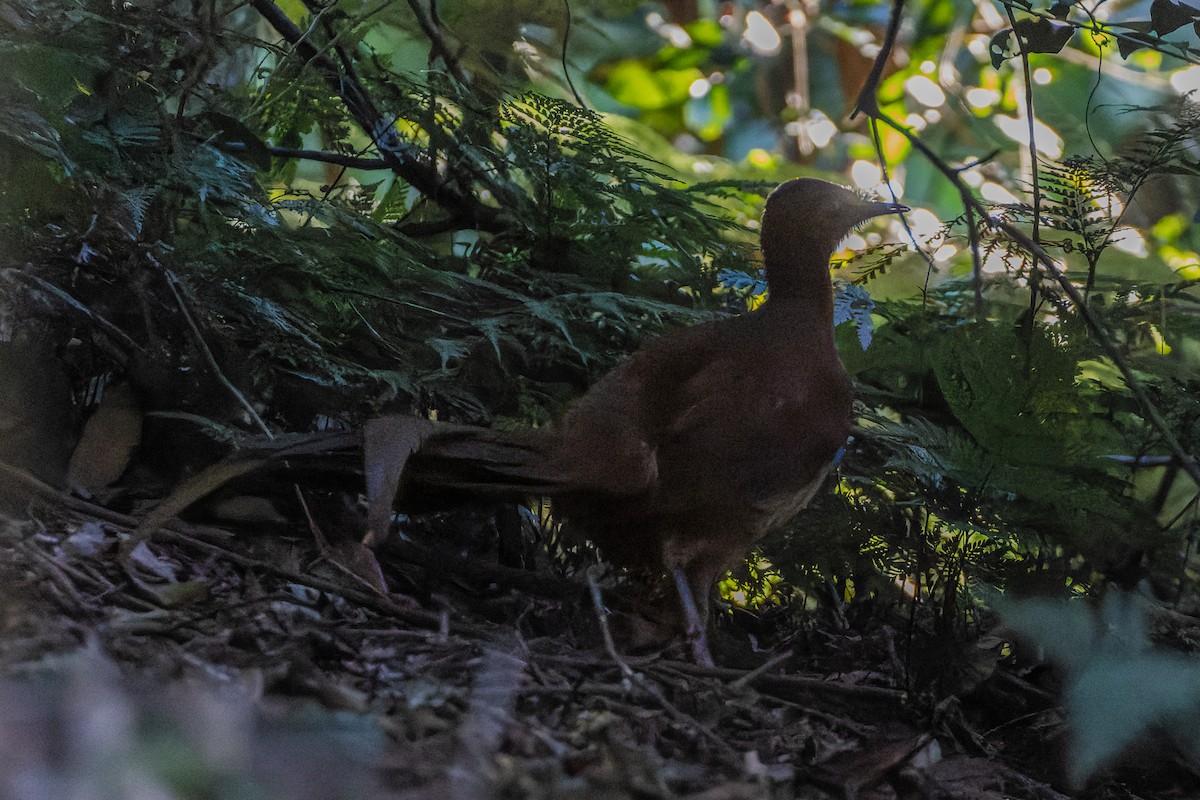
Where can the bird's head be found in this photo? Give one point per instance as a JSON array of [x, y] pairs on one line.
[[823, 212], [804, 220]]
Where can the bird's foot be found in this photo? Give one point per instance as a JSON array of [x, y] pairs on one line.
[[698, 640], [696, 635]]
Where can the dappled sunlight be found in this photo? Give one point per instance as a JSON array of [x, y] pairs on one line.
[[1048, 142], [445, 365], [761, 35]]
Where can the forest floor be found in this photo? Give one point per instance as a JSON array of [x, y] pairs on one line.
[[204, 663]]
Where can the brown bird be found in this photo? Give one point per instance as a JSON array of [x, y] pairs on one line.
[[686, 454]]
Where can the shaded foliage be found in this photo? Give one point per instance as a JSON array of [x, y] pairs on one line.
[[339, 224]]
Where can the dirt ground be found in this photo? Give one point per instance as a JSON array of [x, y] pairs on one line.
[[202, 662]]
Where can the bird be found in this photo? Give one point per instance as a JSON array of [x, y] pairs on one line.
[[683, 456]]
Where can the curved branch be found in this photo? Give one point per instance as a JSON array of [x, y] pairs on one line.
[[404, 158], [431, 26], [867, 105], [1186, 460]]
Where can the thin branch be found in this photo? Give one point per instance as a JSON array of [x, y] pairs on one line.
[[636, 678], [404, 158], [867, 104], [976, 263], [930, 268], [1149, 409], [210, 359], [566, 70], [605, 632], [1029, 120], [351, 162], [431, 26], [1099, 28], [111, 330]]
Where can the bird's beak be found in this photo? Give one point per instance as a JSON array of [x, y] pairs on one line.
[[874, 208], [890, 208]]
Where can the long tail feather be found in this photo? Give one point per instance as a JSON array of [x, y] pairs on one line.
[[486, 462]]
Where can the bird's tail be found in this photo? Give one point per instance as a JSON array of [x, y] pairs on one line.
[[444, 462], [482, 463]]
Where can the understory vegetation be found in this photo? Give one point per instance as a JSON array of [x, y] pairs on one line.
[[227, 221]]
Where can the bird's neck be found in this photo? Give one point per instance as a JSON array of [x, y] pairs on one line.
[[798, 277]]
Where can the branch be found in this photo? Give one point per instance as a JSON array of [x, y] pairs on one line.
[[404, 158], [867, 105], [1153, 415], [352, 162], [432, 28], [866, 102], [1098, 28], [1030, 121]]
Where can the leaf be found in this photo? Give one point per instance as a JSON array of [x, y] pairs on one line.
[[107, 442], [1042, 35], [160, 578], [30, 129], [388, 442], [357, 559], [1169, 15], [742, 282], [236, 136], [1062, 8], [999, 47], [198, 487], [151, 563], [1119, 687], [854, 304], [1136, 39], [448, 349]]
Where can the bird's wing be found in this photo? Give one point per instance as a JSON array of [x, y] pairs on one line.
[[609, 440], [753, 437]]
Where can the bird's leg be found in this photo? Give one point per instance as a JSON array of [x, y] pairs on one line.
[[696, 634]]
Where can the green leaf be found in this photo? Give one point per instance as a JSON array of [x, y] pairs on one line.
[[1119, 687], [633, 83]]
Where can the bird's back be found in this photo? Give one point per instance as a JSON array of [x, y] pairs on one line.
[[716, 432]]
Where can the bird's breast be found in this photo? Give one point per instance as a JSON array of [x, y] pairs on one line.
[[781, 507]]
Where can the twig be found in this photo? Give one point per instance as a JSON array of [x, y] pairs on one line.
[[100, 322], [602, 618], [375, 602], [1098, 28], [207, 353], [759, 671], [58, 571], [566, 69], [866, 102], [352, 162], [404, 158], [640, 681], [188, 536], [431, 26], [776, 683], [1029, 120], [35, 487], [930, 268]]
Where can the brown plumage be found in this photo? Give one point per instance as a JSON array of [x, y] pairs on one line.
[[686, 454]]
